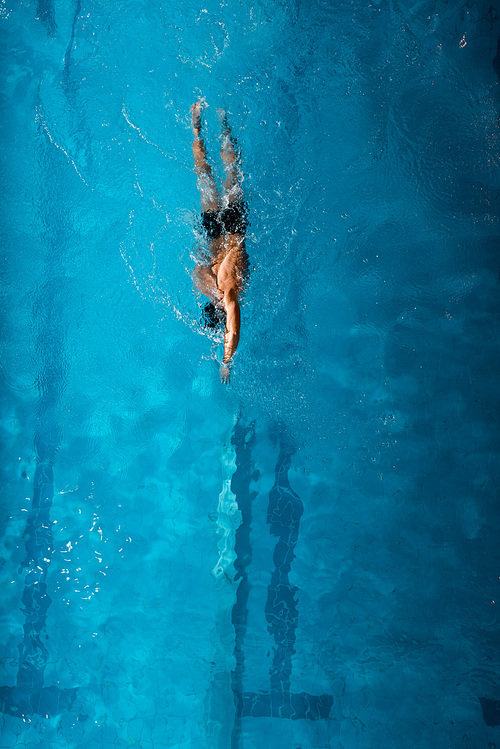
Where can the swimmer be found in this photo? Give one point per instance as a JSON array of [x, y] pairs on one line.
[[224, 219]]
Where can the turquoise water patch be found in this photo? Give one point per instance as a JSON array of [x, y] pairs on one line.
[[308, 557]]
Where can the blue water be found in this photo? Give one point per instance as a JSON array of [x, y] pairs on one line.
[[307, 559]]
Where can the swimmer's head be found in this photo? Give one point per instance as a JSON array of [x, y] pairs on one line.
[[213, 316]]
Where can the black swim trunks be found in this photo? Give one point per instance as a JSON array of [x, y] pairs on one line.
[[231, 220]]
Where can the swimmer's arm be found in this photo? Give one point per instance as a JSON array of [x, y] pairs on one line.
[[232, 332], [205, 281]]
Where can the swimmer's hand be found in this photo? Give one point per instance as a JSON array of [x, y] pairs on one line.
[[224, 373]]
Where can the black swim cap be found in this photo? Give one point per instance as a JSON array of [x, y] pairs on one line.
[[213, 316]]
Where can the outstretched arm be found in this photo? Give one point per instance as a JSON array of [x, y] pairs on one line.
[[232, 332]]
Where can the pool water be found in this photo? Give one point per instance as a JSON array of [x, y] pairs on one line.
[[308, 558]]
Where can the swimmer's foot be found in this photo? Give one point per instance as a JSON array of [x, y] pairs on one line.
[[222, 115], [196, 110]]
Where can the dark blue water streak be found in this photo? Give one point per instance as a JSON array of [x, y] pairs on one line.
[[29, 696]]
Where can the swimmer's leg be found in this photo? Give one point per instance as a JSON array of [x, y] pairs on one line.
[[232, 163], [210, 198]]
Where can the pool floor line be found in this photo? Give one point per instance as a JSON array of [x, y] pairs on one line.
[[284, 512]]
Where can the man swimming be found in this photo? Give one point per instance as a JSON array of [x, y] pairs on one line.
[[224, 220]]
